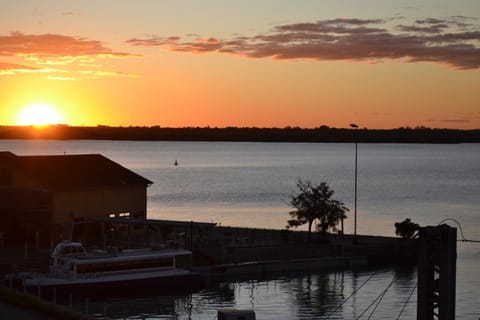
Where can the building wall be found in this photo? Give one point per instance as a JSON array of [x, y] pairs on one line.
[[20, 180], [24, 214], [99, 203], [65, 206], [89, 203]]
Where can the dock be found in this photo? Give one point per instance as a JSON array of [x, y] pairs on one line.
[[219, 252], [234, 249]]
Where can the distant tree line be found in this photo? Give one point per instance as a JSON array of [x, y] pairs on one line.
[[287, 134]]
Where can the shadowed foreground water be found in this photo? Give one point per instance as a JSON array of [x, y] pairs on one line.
[[338, 295]]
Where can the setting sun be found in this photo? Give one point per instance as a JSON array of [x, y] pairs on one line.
[[39, 114]]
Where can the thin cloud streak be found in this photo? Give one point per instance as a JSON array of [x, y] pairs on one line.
[[56, 50], [450, 120], [452, 41], [13, 68], [463, 117], [53, 45]]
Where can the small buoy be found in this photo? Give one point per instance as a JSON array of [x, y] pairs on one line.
[[175, 163]]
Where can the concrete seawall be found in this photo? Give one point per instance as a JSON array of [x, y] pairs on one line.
[[229, 247], [262, 268]]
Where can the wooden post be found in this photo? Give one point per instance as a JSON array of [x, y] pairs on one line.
[[148, 236], [447, 264], [86, 235], [128, 235], [103, 236], [185, 244], [437, 273], [191, 235]]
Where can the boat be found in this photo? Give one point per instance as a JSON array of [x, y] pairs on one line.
[[74, 270]]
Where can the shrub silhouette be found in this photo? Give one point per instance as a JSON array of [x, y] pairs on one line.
[[406, 229]]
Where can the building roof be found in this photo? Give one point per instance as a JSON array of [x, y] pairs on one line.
[[74, 171]]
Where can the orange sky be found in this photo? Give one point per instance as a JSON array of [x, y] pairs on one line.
[[304, 64]]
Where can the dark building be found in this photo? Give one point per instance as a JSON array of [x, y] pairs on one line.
[[48, 194]]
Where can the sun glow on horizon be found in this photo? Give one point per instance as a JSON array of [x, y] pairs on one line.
[[39, 114]]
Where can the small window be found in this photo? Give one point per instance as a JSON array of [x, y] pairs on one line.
[[119, 215]]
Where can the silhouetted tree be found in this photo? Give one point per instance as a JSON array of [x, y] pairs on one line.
[[406, 229], [315, 203]]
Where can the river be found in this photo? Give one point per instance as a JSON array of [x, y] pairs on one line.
[[248, 184]]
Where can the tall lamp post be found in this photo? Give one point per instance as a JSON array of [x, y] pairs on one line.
[[355, 239]]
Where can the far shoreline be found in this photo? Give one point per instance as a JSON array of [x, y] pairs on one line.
[[322, 134]]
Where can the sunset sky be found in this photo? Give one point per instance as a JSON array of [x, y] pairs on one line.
[[268, 63]]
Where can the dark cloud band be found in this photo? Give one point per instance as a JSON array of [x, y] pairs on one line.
[[453, 42]]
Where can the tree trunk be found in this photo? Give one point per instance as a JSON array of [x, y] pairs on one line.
[[324, 230], [310, 222]]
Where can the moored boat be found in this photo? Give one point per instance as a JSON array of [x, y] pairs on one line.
[[73, 270]]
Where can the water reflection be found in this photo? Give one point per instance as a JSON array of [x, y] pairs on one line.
[[317, 294], [336, 295], [158, 307]]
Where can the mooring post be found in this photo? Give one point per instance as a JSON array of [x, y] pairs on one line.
[[191, 235], [104, 237], [129, 228], [437, 273]]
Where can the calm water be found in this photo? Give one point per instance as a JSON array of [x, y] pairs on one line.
[[247, 184]]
